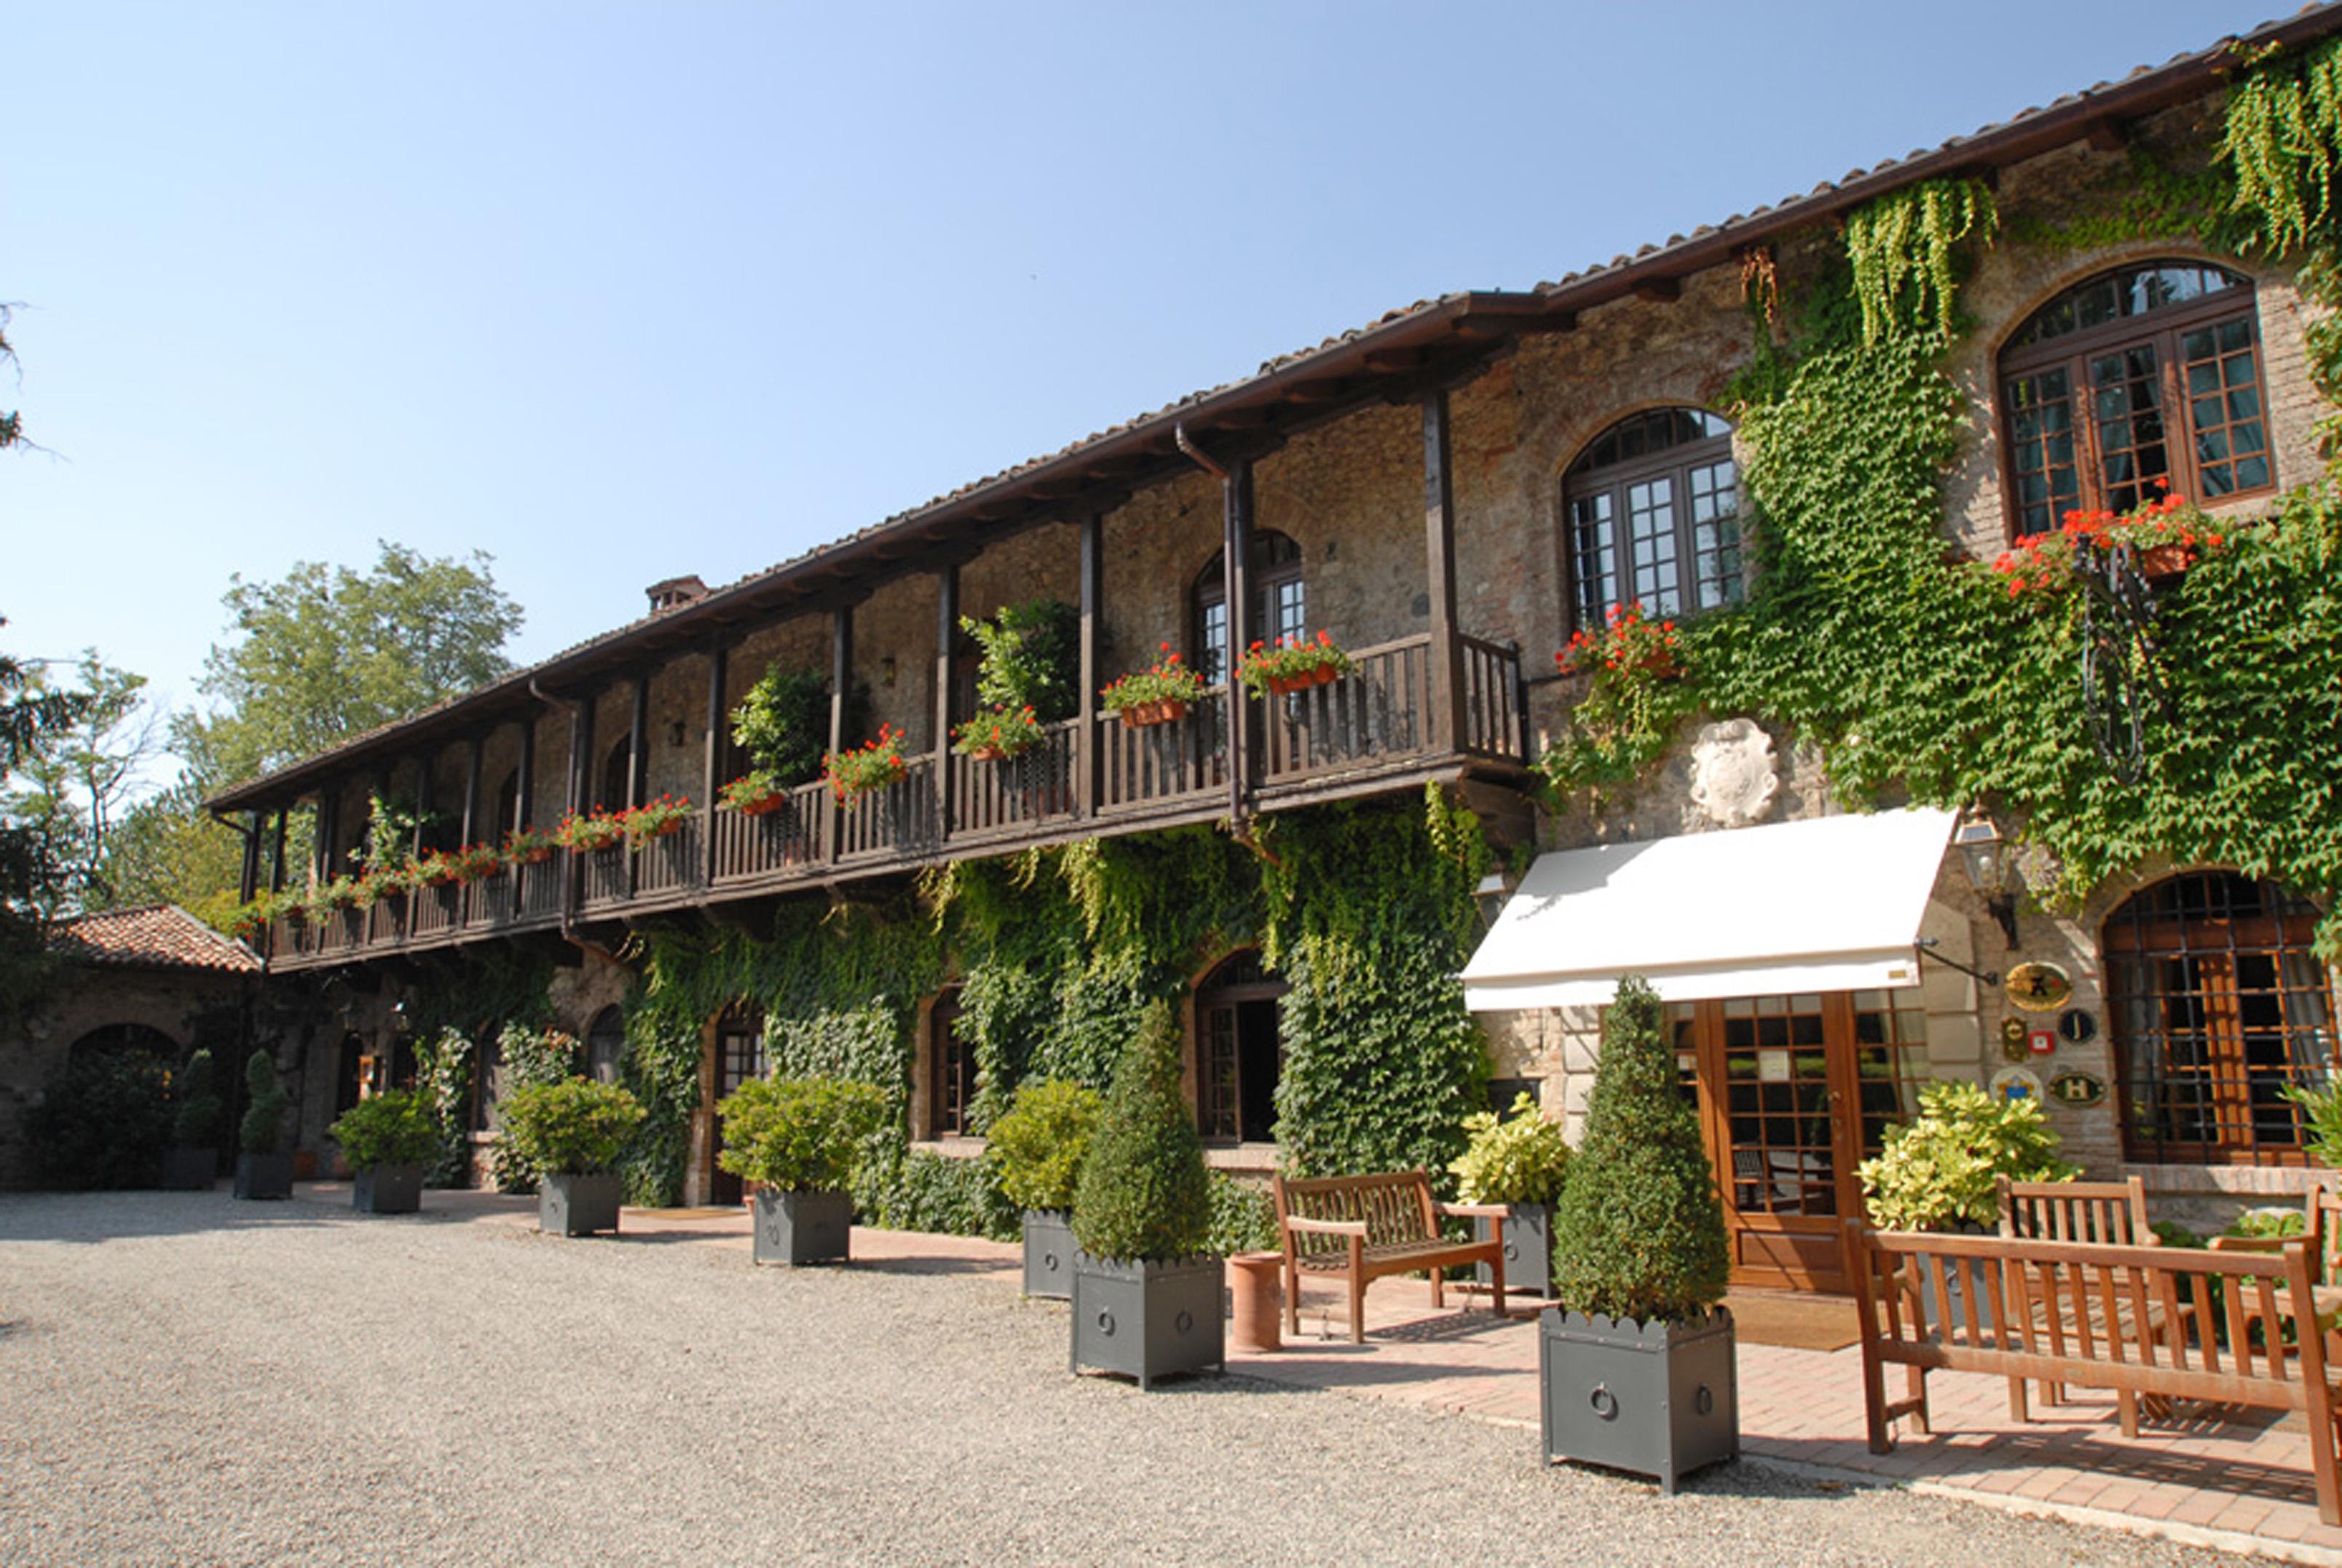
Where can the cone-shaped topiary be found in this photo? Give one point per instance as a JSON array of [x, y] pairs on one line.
[[1143, 1194], [196, 1123], [1640, 1232], [264, 1117]]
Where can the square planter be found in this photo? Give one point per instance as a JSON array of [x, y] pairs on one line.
[[1529, 1249], [264, 1175], [1661, 1399], [1150, 1319], [190, 1170], [387, 1190], [569, 1206], [1049, 1254], [798, 1227]]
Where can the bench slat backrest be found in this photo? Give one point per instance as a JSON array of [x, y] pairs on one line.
[[2114, 1212], [1396, 1207], [2165, 1319]]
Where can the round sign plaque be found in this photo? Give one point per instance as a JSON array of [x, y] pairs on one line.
[[2078, 1025], [2016, 1083], [2038, 988]]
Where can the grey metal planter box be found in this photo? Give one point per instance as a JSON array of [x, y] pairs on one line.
[[1529, 1249], [1049, 1254], [797, 1227], [190, 1170], [388, 1190], [1148, 1320], [1661, 1399], [578, 1205], [264, 1175]]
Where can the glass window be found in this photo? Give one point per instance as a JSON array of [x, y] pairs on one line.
[[1654, 516], [2139, 380], [2216, 1006], [1279, 603]]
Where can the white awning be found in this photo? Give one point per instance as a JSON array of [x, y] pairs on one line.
[[1830, 905]]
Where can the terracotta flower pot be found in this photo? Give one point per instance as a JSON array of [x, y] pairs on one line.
[[764, 805], [986, 754], [2163, 563]]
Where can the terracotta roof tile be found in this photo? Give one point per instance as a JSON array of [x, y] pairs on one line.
[[158, 936]]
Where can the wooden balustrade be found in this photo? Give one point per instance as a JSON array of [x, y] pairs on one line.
[[1375, 718], [1378, 711], [1155, 764], [1002, 794]]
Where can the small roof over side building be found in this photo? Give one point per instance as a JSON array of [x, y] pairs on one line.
[[154, 936]]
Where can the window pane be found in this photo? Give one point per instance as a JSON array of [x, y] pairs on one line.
[[2128, 398], [2041, 446], [2231, 444], [1594, 561], [1654, 579], [1716, 533]]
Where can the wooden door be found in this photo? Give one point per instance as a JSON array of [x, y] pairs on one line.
[[1794, 1092], [740, 1056]]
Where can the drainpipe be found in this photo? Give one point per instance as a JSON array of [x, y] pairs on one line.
[[1196, 454]]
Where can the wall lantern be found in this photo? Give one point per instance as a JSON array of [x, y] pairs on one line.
[[887, 671], [1984, 854]]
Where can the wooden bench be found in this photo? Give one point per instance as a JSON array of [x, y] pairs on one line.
[[2137, 1320], [2112, 1213], [1364, 1227]]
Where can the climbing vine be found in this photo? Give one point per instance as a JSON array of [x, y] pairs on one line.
[[1904, 248], [1921, 676]]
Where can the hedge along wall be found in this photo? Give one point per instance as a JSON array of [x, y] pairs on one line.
[[1365, 910]]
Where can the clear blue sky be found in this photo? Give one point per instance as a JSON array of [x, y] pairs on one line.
[[619, 292]]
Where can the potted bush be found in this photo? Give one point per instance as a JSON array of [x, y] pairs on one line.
[[1523, 1165], [390, 1138], [1038, 1145], [1636, 1364], [570, 1136], [799, 1140], [1147, 1292], [264, 1168], [192, 1162]]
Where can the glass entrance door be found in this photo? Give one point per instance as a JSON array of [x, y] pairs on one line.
[[740, 1056], [1794, 1093]]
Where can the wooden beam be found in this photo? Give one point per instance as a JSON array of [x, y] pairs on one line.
[[841, 688], [1236, 568], [1383, 360], [946, 629], [2111, 134], [715, 753], [277, 856], [1316, 390], [1659, 290], [1087, 760], [1446, 682], [472, 789]]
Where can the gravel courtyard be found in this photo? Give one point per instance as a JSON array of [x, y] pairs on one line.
[[185, 1379]]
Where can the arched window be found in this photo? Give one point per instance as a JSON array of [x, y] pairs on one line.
[[1654, 517], [122, 1040], [505, 814], [1239, 1055], [1279, 607], [617, 775], [2217, 1005], [2147, 373], [606, 1045]]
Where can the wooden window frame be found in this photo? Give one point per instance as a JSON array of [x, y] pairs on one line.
[[2215, 943], [1675, 462], [2161, 329], [1270, 570]]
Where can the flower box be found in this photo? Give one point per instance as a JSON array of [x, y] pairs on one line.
[[1292, 665], [1145, 715], [1155, 695], [2165, 563]]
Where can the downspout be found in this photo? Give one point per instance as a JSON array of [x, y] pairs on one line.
[[1196, 454], [1240, 752]]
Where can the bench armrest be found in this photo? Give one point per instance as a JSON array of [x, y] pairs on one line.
[[1471, 1211], [1329, 1227], [2249, 1243]]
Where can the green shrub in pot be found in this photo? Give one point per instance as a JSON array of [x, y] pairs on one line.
[[1522, 1162], [397, 1128], [571, 1136], [264, 1168], [800, 1139], [1037, 1146], [1940, 1170]]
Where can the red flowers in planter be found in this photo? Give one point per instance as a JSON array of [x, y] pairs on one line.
[[870, 766], [2164, 537], [1630, 641]]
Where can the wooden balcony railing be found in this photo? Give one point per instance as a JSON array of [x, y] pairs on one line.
[[1376, 720]]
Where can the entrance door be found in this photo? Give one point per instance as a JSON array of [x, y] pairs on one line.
[[1794, 1093], [1239, 1056], [740, 1056]]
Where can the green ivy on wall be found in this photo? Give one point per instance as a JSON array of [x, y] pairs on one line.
[[1921, 676]]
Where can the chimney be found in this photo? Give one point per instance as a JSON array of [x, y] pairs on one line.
[[674, 593]]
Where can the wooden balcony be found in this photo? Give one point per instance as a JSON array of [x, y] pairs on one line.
[[1370, 732]]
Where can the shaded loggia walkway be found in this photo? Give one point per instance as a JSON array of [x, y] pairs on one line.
[[2242, 1482]]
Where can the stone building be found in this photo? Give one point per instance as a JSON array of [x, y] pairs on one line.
[[142, 980], [1452, 492]]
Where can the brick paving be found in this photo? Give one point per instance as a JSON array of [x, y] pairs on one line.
[[2243, 1482]]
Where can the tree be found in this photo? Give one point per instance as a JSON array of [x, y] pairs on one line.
[[329, 652], [75, 780], [31, 716]]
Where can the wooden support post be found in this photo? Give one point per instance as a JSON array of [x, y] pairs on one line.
[[472, 760], [638, 760], [329, 829], [841, 688], [249, 881], [946, 630], [423, 802], [581, 761], [1089, 758], [1235, 568], [1446, 694], [714, 754], [277, 858], [524, 807]]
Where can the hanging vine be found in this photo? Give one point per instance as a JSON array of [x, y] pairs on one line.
[[1905, 247]]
